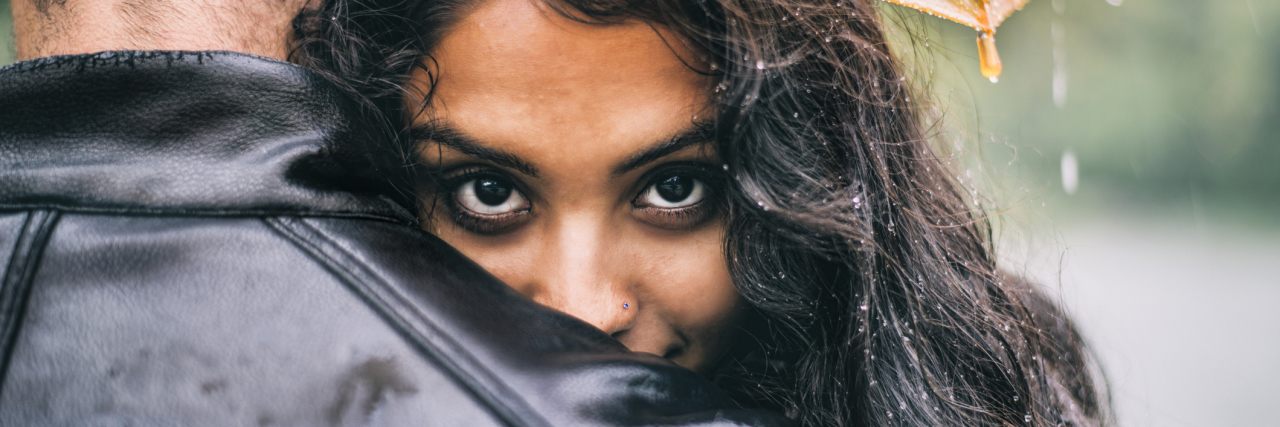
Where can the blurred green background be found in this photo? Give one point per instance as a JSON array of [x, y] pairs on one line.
[[1167, 106], [1167, 248], [6, 33]]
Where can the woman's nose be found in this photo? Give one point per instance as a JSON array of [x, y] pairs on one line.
[[579, 273]]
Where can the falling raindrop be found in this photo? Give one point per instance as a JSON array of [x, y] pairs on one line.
[[1059, 64], [1070, 172]]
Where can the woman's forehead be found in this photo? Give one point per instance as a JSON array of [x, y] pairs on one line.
[[517, 74], [523, 48]]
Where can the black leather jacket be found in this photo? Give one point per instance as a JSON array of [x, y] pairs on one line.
[[197, 238]]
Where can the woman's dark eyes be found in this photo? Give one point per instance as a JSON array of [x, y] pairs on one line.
[[679, 197], [484, 201], [673, 191], [487, 201], [490, 196]]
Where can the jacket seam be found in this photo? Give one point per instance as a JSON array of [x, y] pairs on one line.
[[421, 332], [248, 213], [15, 289]]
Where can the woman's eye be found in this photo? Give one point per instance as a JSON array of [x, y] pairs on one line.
[[674, 191], [490, 196], [678, 199]]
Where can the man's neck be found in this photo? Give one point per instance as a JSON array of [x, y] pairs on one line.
[[49, 27]]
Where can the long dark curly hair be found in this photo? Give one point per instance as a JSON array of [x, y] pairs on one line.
[[869, 268]]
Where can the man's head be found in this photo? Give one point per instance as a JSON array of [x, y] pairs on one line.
[[62, 27]]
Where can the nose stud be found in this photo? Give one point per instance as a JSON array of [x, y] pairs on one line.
[[625, 306]]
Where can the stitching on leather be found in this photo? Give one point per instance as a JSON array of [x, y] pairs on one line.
[[509, 408], [15, 289], [248, 213], [116, 58]]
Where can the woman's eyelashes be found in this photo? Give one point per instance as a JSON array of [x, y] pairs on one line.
[[484, 201], [673, 191], [487, 201], [679, 196]]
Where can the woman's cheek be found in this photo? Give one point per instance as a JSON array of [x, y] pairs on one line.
[[696, 292]]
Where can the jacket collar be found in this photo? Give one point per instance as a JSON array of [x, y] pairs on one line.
[[207, 133]]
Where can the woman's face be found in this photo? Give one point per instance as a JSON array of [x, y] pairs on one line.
[[574, 165]]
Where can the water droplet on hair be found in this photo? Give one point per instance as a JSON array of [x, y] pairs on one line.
[[759, 64], [1027, 418], [863, 307], [827, 39], [1015, 398], [902, 406], [725, 167], [795, 115]]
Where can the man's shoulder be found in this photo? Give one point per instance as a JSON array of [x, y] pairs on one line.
[[328, 317], [210, 320]]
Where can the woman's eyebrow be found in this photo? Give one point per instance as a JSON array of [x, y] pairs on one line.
[[699, 134], [448, 136]]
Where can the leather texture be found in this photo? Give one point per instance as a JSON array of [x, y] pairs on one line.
[[205, 238]]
